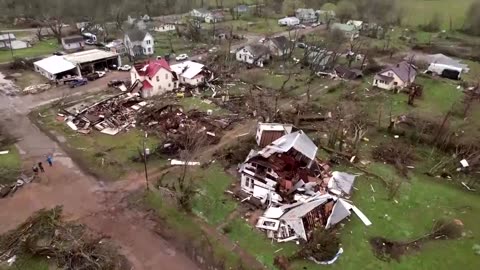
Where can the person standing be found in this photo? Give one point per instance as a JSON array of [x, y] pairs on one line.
[[40, 166], [35, 170], [50, 160]]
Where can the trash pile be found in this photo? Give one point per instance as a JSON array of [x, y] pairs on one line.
[[298, 191], [109, 115], [37, 88], [6, 190], [173, 123], [70, 246]]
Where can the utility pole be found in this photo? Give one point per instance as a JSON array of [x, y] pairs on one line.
[[145, 160]]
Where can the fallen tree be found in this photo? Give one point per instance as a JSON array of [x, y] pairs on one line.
[[70, 246]]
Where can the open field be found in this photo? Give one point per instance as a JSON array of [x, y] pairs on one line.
[[418, 12], [42, 48]]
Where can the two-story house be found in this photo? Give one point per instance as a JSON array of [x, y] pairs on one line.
[[255, 54], [139, 42], [156, 77], [280, 45], [266, 172]]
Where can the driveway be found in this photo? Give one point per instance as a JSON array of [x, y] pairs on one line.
[[98, 205]]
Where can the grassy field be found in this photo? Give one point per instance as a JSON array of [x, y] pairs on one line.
[[41, 48], [10, 165], [418, 12]]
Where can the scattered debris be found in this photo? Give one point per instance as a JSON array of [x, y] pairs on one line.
[[37, 88], [44, 234], [299, 192]]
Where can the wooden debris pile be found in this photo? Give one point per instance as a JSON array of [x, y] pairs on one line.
[[44, 234]]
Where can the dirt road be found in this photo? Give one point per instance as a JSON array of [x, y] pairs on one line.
[[98, 205]]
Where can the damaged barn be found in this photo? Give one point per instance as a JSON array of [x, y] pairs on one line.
[[298, 191]]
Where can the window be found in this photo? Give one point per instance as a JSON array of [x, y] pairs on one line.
[[158, 78], [247, 182], [149, 50], [169, 85], [166, 76], [250, 58], [148, 42], [144, 50]]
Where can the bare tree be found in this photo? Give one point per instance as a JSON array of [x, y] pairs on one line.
[[192, 140]]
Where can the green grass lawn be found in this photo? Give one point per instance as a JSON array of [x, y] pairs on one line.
[[418, 12], [179, 45], [211, 203], [10, 165], [45, 47]]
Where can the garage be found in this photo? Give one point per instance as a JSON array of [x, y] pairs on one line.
[[93, 60], [55, 68]]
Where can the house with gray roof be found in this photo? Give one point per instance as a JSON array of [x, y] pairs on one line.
[[306, 15], [254, 54], [396, 76], [280, 45], [139, 42], [9, 41], [350, 31]]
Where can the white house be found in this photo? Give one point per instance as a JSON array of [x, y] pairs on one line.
[[269, 132], [255, 54], [289, 21], [190, 73], [139, 42], [73, 43], [200, 13], [214, 17], [396, 76], [357, 24], [306, 15], [280, 45], [164, 27], [260, 173], [156, 77]]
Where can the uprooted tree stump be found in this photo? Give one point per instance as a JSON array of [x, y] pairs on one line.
[[397, 154], [443, 229]]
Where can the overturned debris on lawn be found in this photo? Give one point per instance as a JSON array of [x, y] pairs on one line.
[[299, 192], [70, 246], [109, 115], [171, 121]]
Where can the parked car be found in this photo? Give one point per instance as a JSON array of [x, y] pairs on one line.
[[125, 68], [213, 49], [92, 76], [78, 82], [115, 83], [181, 57], [315, 25], [101, 73], [90, 42], [59, 53], [95, 75], [301, 45]]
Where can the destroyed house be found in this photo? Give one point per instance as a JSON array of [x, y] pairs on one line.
[[297, 220], [274, 173], [156, 77], [269, 132]]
